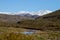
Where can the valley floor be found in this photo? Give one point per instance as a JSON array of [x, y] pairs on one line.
[[10, 33]]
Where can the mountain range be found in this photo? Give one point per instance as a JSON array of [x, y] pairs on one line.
[[48, 21], [27, 13]]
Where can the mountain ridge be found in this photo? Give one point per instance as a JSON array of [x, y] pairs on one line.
[[39, 13]]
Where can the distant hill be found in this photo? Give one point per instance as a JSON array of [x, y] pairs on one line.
[[13, 18]]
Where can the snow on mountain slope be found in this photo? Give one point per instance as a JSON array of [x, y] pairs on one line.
[[43, 12], [8, 13], [39, 13]]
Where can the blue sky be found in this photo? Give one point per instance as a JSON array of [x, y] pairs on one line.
[[29, 5]]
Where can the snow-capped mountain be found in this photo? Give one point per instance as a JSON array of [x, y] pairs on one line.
[[8, 13], [44, 12], [39, 13], [27, 13]]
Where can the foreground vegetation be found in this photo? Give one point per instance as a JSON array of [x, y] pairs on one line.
[[14, 34]]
